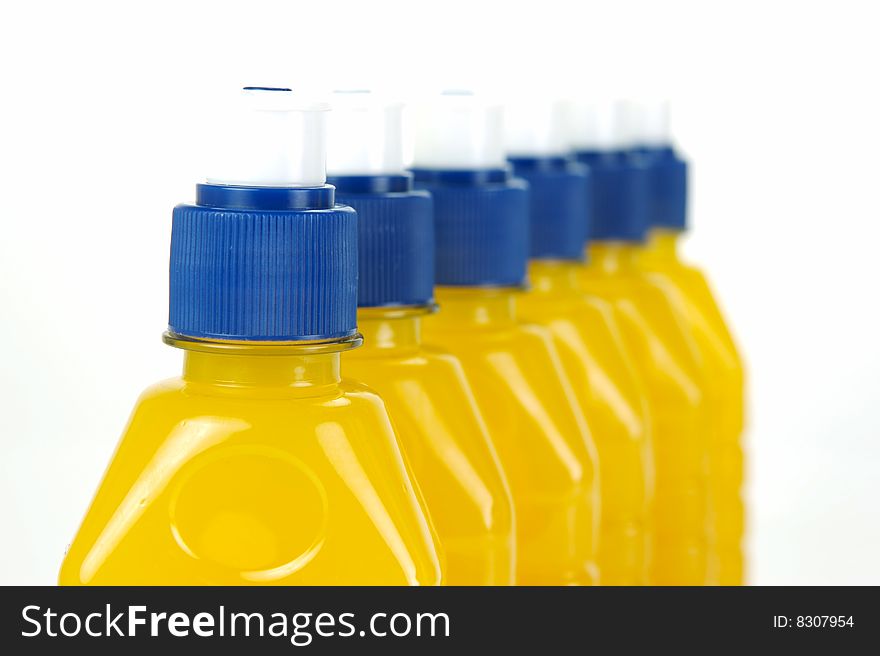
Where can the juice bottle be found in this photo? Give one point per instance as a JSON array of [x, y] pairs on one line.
[[538, 428], [587, 336], [693, 299], [664, 351], [259, 465], [431, 404]]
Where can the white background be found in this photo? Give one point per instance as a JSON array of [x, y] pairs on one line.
[[775, 104]]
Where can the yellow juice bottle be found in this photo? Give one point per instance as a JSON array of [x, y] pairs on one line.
[[694, 301], [259, 465], [431, 404], [534, 420], [664, 351], [587, 337], [690, 293], [604, 378]]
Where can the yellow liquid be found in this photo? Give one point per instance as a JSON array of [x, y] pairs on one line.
[[695, 303], [668, 364], [537, 428], [602, 373], [446, 443], [256, 468]]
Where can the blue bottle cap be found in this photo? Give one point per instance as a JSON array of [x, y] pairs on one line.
[[649, 120], [667, 187], [481, 212], [265, 254], [601, 136], [395, 239], [481, 224], [395, 222], [620, 193], [560, 205]]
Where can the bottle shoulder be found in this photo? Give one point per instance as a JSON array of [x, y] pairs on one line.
[[694, 301], [610, 285], [425, 357], [530, 344], [682, 274], [584, 308], [593, 349], [446, 442], [187, 396]]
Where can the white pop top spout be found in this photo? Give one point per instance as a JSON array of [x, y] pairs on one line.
[[535, 128], [599, 125], [271, 138], [459, 130], [365, 135], [650, 122]]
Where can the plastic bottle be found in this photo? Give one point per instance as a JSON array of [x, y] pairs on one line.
[[693, 298], [663, 349], [431, 404], [586, 334], [259, 465], [534, 420]]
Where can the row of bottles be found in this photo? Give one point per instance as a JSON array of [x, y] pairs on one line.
[[546, 394]]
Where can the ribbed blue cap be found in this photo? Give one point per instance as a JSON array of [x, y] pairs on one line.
[[668, 187], [621, 183], [559, 205], [395, 238], [481, 226], [263, 264]]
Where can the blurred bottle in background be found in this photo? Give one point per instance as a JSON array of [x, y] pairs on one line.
[[433, 408], [585, 332], [687, 288], [534, 418], [663, 349]]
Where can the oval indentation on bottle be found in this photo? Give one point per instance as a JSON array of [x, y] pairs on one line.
[[256, 510]]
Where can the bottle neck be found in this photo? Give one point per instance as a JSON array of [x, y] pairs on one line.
[[662, 245], [308, 369], [552, 277], [389, 330], [613, 256], [476, 306]]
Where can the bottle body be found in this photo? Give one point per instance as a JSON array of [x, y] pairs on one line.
[[255, 469], [446, 443], [666, 361], [602, 373], [693, 300], [537, 428]]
